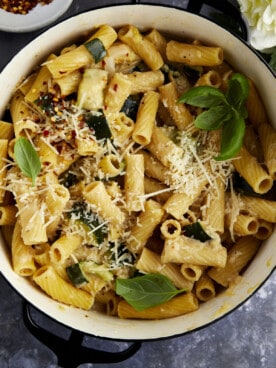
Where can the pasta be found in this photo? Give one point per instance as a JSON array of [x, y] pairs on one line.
[[194, 54], [119, 181], [253, 172], [6, 130], [205, 288], [134, 182], [238, 258], [150, 262], [188, 250], [146, 118], [145, 49], [192, 272], [7, 215], [268, 141], [179, 305], [22, 254], [55, 286], [3, 156], [179, 113]]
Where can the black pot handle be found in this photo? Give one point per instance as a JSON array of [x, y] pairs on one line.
[[229, 17], [70, 353]]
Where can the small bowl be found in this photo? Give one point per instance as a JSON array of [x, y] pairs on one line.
[[39, 17]]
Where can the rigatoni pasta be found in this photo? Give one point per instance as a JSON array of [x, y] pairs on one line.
[[117, 182], [195, 55]]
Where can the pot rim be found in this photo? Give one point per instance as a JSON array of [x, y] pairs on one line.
[[61, 323], [15, 284]]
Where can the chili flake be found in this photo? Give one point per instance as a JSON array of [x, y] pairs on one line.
[[21, 6]]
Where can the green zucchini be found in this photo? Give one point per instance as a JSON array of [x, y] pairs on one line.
[[76, 275], [78, 272], [98, 123], [131, 105], [241, 186], [96, 49], [196, 231], [90, 221], [97, 269]]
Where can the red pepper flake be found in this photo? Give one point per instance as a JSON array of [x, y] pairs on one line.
[[46, 133], [21, 6], [115, 87], [59, 149], [81, 124]]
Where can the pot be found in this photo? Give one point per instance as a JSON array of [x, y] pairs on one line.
[[243, 59]]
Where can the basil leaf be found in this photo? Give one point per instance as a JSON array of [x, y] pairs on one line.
[[27, 158], [146, 291], [225, 111], [237, 92], [203, 96], [96, 49], [213, 118], [232, 137]]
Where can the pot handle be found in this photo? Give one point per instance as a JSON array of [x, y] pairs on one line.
[[236, 23], [233, 22], [70, 353]]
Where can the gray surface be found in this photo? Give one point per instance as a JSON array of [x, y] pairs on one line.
[[245, 338]]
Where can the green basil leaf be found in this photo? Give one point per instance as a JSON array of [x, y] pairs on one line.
[[203, 96], [213, 118], [96, 49], [243, 111], [232, 137], [146, 291], [225, 111], [237, 92], [27, 158]]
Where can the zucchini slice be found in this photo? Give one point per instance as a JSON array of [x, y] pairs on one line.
[[76, 275], [90, 221], [99, 125], [196, 231], [96, 49]]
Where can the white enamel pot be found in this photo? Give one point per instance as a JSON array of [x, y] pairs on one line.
[[182, 24]]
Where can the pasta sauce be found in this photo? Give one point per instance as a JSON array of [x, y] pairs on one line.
[[116, 177]]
